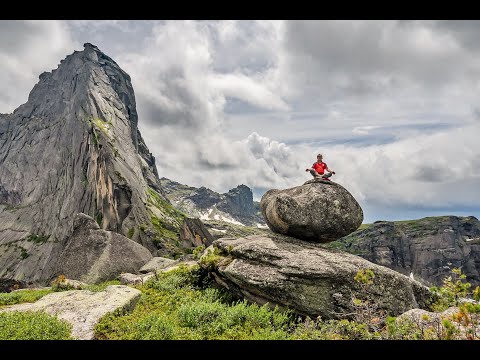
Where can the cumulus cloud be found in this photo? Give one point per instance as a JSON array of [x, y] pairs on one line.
[[392, 105]]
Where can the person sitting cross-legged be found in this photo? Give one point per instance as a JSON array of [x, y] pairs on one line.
[[318, 169]]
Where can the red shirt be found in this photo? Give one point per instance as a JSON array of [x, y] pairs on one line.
[[320, 168]]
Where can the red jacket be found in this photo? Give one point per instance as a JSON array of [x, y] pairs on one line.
[[320, 168]]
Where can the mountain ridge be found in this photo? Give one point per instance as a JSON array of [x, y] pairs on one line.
[[426, 249], [235, 206]]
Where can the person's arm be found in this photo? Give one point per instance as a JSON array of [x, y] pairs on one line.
[[326, 168]]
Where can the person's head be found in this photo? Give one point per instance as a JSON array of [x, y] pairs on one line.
[[319, 157]]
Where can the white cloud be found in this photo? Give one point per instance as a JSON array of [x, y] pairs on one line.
[[28, 48], [390, 104], [364, 130]]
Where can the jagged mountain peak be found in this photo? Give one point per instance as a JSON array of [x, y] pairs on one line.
[[90, 83], [235, 206], [74, 147]]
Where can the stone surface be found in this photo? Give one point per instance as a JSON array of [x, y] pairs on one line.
[[156, 264], [93, 255], [431, 321], [8, 285], [135, 279], [71, 284], [187, 263], [83, 308], [308, 278], [426, 318], [193, 233], [73, 147], [427, 248], [236, 206], [317, 211]]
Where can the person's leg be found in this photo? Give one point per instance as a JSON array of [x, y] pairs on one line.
[[314, 173], [327, 175]]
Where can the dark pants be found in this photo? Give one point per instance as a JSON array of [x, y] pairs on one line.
[[315, 174]]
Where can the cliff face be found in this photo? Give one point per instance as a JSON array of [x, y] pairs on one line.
[[427, 249], [74, 147], [235, 206]]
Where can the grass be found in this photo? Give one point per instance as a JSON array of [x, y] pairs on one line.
[[23, 253], [101, 286], [28, 296], [182, 304], [165, 207], [167, 226], [23, 296], [37, 239], [30, 325], [364, 226]]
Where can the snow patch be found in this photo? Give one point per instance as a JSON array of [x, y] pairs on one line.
[[219, 216]]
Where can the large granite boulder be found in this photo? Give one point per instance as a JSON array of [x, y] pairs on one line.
[[307, 277], [317, 211], [83, 308], [93, 255]]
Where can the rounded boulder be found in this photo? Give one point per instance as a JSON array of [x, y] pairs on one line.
[[318, 211]]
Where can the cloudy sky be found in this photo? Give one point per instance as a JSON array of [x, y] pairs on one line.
[[393, 105]]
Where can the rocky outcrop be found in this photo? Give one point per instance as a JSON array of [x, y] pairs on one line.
[[135, 279], [238, 202], [235, 206], [83, 308], [427, 319], [73, 147], [308, 278], [8, 285], [427, 249], [318, 211], [156, 264], [193, 233], [432, 324], [93, 255]]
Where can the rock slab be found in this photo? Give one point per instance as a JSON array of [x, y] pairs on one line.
[[93, 255], [309, 278], [83, 308], [156, 264]]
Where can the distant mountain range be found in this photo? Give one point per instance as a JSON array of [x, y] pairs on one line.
[[426, 249], [236, 206]]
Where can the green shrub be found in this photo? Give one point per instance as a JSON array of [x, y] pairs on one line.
[[197, 252], [185, 304], [182, 304], [37, 239], [454, 288], [29, 325]]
